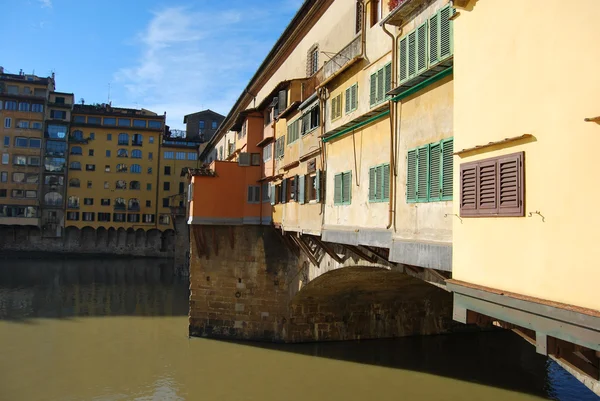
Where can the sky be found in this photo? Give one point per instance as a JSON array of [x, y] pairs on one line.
[[172, 56]]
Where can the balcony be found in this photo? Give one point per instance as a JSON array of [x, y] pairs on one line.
[[343, 59], [71, 205], [73, 139], [120, 207], [400, 11]]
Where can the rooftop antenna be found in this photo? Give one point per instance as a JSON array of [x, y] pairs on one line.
[[109, 93]]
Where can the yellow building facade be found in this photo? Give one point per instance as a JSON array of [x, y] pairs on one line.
[[113, 168]]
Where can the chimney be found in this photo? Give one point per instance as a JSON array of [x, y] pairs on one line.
[[1, 70], [21, 72]]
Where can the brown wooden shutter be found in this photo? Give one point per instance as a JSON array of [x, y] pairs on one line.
[[487, 183], [468, 189], [510, 185]]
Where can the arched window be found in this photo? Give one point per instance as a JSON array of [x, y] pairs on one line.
[[137, 140], [134, 204], [136, 154], [121, 168], [75, 166], [76, 150], [120, 204], [121, 184], [73, 202], [134, 185], [77, 135], [74, 183], [123, 139], [122, 153], [53, 199], [136, 168]]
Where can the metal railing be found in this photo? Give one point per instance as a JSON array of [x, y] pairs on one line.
[[340, 59]]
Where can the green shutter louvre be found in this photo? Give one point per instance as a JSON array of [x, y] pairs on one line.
[[447, 167], [412, 54], [373, 95], [272, 194], [435, 172], [372, 183], [347, 187], [301, 182], [354, 93], [411, 176], [284, 191], [380, 85], [423, 173], [337, 191], [348, 100], [445, 32], [433, 39], [318, 185], [386, 182], [403, 59], [387, 72], [421, 55]]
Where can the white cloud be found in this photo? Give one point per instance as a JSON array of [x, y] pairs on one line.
[[192, 60], [46, 3]]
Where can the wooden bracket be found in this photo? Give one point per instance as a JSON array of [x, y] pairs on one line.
[[360, 253], [305, 249], [379, 255], [327, 249]]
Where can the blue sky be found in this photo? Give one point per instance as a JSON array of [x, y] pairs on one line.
[[163, 55]]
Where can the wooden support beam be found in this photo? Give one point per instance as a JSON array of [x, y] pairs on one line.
[[379, 255], [327, 249], [438, 274], [305, 249], [291, 244], [360, 253]]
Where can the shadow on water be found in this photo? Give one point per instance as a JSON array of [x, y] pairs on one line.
[[63, 289]]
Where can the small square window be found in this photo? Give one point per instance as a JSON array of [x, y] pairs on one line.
[[92, 136], [166, 186], [107, 168], [165, 202], [148, 203], [148, 187], [108, 153], [150, 155], [106, 185], [151, 139], [89, 184], [167, 170], [108, 137], [91, 152]]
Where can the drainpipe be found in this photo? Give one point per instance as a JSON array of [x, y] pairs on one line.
[[322, 94]]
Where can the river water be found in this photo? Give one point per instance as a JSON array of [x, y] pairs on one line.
[[117, 330]]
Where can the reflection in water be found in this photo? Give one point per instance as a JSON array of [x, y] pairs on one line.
[[54, 347]]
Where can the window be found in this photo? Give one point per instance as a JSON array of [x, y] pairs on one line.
[[88, 216], [106, 185], [90, 152], [76, 150], [292, 188], [151, 139], [73, 202], [169, 155], [124, 122], [148, 203], [5, 158], [139, 123], [165, 202], [148, 218], [32, 178], [267, 152], [17, 193], [109, 137], [137, 140], [136, 154], [55, 164], [164, 219], [53, 199], [167, 170], [18, 177], [181, 187], [36, 125], [135, 185], [79, 119], [88, 201], [104, 217], [192, 156], [150, 156], [3, 193], [379, 183], [267, 116], [123, 139], [90, 167], [136, 168], [31, 194], [59, 100], [105, 202], [24, 106], [352, 98], [375, 11], [73, 216], [58, 114], [122, 153], [359, 16], [149, 170], [119, 217], [10, 105], [253, 194], [310, 120], [21, 142], [93, 120], [342, 191], [35, 143], [54, 180], [74, 183], [133, 204], [107, 168], [20, 160], [293, 131], [312, 62], [57, 131], [37, 108], [266, 192], [148, 187], [7, 140], [77, 135], [429, 172], [7, 122], [381, 83], [221, 153], [120, 204], [493, 187], [166, 186], [279, 147], [429, 44], [110, 121], [255, 159], [313, 187], [336, 107], [4, 176], [23, 124], [92, 136], [201, 124], [154, 124], [180, 156], [107, 153], [121, 168]]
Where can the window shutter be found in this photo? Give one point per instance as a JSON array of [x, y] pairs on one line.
[[447, 168], [333, 108], [282, 98], [386, 182], [301, 183], [412, 54], [347, 187], [354, 93], [272, 194], [403, 61], [411, 176], [435, 172], [318, 185], [387, 72], [296, 177], [510, 185], [423, 173], [257, 194], [348, 100], [379, 183], [445, 32], [337, 192], [468, 189], [380, 85], [373, 95], [372, 183], [433, 39], [421, 48], [284, 191], [250, 193], [487, 177]]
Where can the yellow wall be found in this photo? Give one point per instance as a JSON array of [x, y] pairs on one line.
[[526, 67]]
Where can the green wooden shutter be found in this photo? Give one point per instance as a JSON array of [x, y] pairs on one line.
[[284, 191], [421, 55], [337, 191], [354, 93], [318, 185], [423, 173], [348, 99], [301, 195], [387, 78], [333, 108], [373, 94], [272, 194], [411, 176], [445, 32], [386, 182], [435, 172], [403, 59], [412, 54], [347, 187], [372, 183], [380, 85], [433, 39], [447, 168], [296, 188]]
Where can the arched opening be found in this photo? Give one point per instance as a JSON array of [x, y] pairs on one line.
[[73, 202], [74, 183], [77, 135], [53, 199], [123, 139], [137, 140], [121, 168], [136, 154], [121, 184], [136, 168], [135, 185], [122, 153], [76, 150], [119, 204], [133, 204], [75, 166]]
